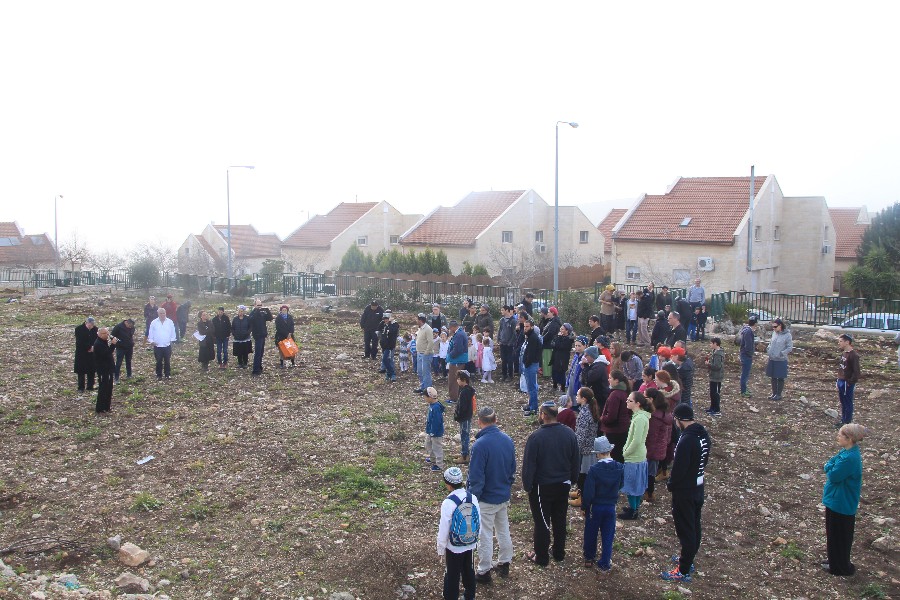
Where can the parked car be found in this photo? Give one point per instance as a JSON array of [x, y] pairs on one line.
[[760, 314], [872, 322]]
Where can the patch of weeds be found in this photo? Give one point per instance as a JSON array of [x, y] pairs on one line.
[[146, 502], [88, 434], [200, 509], [381, 503], [197, 465], [792, 551], [351, 483], [114, 481], [872, 590], [170, 414], [340, 372], [23, 376], [15, 415], [385, 417], [135, 396], [672, 595], [385, 465], [163, 433], [618, 546], [397, 435], [519, 513], [276, 525], [67, 392], [31, 426], [647, 542], [367, 435]]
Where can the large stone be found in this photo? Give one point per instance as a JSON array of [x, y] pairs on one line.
[[132, 556], [831, 413], [6, 571], [132, 584], [824, 334], [884, 544], [114, 542]]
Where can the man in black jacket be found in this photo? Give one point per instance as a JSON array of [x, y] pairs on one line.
[[686, 482], [259, 316], [595, 375], [664, 299], [645, 313], [222, 331], [370, 323], [388, 337], [596, 328], [506, 337], [182, 313], [676, 331], [531, 361], [124, 333], [549, 466], [85, 336], [103, 355]]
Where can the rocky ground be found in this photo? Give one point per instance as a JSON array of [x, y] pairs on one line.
[[308, 482]]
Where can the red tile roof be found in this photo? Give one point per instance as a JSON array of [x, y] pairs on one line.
[[10, 229], [715, 205], [246, 242], [23, 250], [606, 226], [459, 225], [847, 231], [319, 231]]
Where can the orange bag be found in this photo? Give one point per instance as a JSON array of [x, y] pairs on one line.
[[288, 348]]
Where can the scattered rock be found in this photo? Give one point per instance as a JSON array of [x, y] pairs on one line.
[[764, 511], [880, 393], [132, 556], [35, 516], [342, 356], [162, 583], [341, 596], [882, 521], [114, 542], [130, 583], [405, 591], [753, 409], [685, 591], [38, 596], [660, 520], [779, 541], [831, 413], [68, 580], [255, 522], [6, 571], [884, 544], [824, 334], [805, 476]]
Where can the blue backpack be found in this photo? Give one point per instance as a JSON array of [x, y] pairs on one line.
[[465, 523]]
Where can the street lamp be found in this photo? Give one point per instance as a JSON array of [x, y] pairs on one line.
[[573, 125], [55, 226], [228, 199]]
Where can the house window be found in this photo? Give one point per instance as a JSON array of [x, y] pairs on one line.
[[685, 222], [362, 240], [395, 239], [632, 272], [37, 240], [538, 236], [776, 234], [310, 268], [187, 251], [757, 233], [506, 237], [582, 237], [775, 272], [508, 272], [682, 276]]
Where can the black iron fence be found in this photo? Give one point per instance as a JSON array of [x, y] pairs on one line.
[[866, 313]]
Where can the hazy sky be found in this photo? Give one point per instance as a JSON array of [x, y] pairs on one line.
[[133, 110]]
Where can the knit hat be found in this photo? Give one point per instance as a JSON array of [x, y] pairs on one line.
[[568, 327], [544, 310], [453, 476], [422, 316], [592, 352], [583, 339], [676, 351], [386, 315], [285, 306], [604, 341], [602, 445], [554, 311], [664, 351], [610, 287], [684, 412]]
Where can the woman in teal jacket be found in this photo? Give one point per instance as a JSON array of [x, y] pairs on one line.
[[843, 484]]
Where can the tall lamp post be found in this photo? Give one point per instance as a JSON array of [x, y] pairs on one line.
[[228, 199], [56, 226], [574, 125]]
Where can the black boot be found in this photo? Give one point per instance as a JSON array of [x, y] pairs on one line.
[[627, 514]]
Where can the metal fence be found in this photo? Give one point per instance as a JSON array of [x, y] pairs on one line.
[[635, 287], [808, 309]]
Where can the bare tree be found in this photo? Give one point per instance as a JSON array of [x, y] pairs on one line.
[[312, 261], [106, 260], [518, 264], [74, 252], [163, 256]]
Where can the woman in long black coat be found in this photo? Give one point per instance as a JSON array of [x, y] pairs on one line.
[[103, 350], [284, 328], [85, 336], [207, 344]]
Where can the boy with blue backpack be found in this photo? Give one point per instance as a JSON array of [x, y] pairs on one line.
[[457, 536]]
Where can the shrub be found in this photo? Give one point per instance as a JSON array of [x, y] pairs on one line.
[[144, 273], [736, 312], [146, 502], [388, 298], [576, 308]]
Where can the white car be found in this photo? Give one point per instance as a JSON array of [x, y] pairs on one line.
[[761, 315], [872, 322]]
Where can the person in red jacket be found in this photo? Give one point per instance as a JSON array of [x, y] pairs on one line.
[[658, 438], [616, 417], [171, 308]]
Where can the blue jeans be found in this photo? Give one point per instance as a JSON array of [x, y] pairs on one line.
[[530, 373], [222, 352], [259, 344], [465, 428], [631, 328], [692, 332], [602, 519], [845, 393], [387, 363], [507, 360], [423, 368], [746, 363]]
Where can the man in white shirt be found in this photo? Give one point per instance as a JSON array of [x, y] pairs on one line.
[[458, 560], [161, 335]]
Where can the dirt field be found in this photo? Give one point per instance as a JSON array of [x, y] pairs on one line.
[[309, 481]]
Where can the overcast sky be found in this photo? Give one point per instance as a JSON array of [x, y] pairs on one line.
[[133, 110]]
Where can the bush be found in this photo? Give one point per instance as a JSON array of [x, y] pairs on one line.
[[576, 308], [736, 312], [389, 299], [144, 273]]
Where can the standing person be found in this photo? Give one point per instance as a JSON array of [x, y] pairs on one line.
[[206, 351], [780, 346], [601, 492], [560, 355], [716, 365], [468, 320], [686, 483], [685, 366], [596, 328], [702, 317], [631, 319], [464, 309], [847, 376], [586, 422], [659, 434], [462, 414], [370, 323], [506, 337], [748, 347], [696, 295], [124, 334], [645, 313], [436, 320], [677, 333], [457, 357], [484, 320], [635, 454], [424, 352], [531, 361], [172, 313], [242, 345], [85, 366], [632, 367], [434, 431], [616, 418], [103, 355], [549, 466], [259, 317], [573, 375], [843, 485], [222, 332], [492, 472], [528, 304], [284, 329], [457, 552], [660, 330], [149, 314], [664, 301], [183, 313], [608, 309], [390, 329], [161, 336], [595, 375]]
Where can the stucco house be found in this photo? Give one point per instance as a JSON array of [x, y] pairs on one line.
[[207, 253], [509, 232], [21, 251], [320, 243], [849, 226], [605, 226], [704, 227]]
